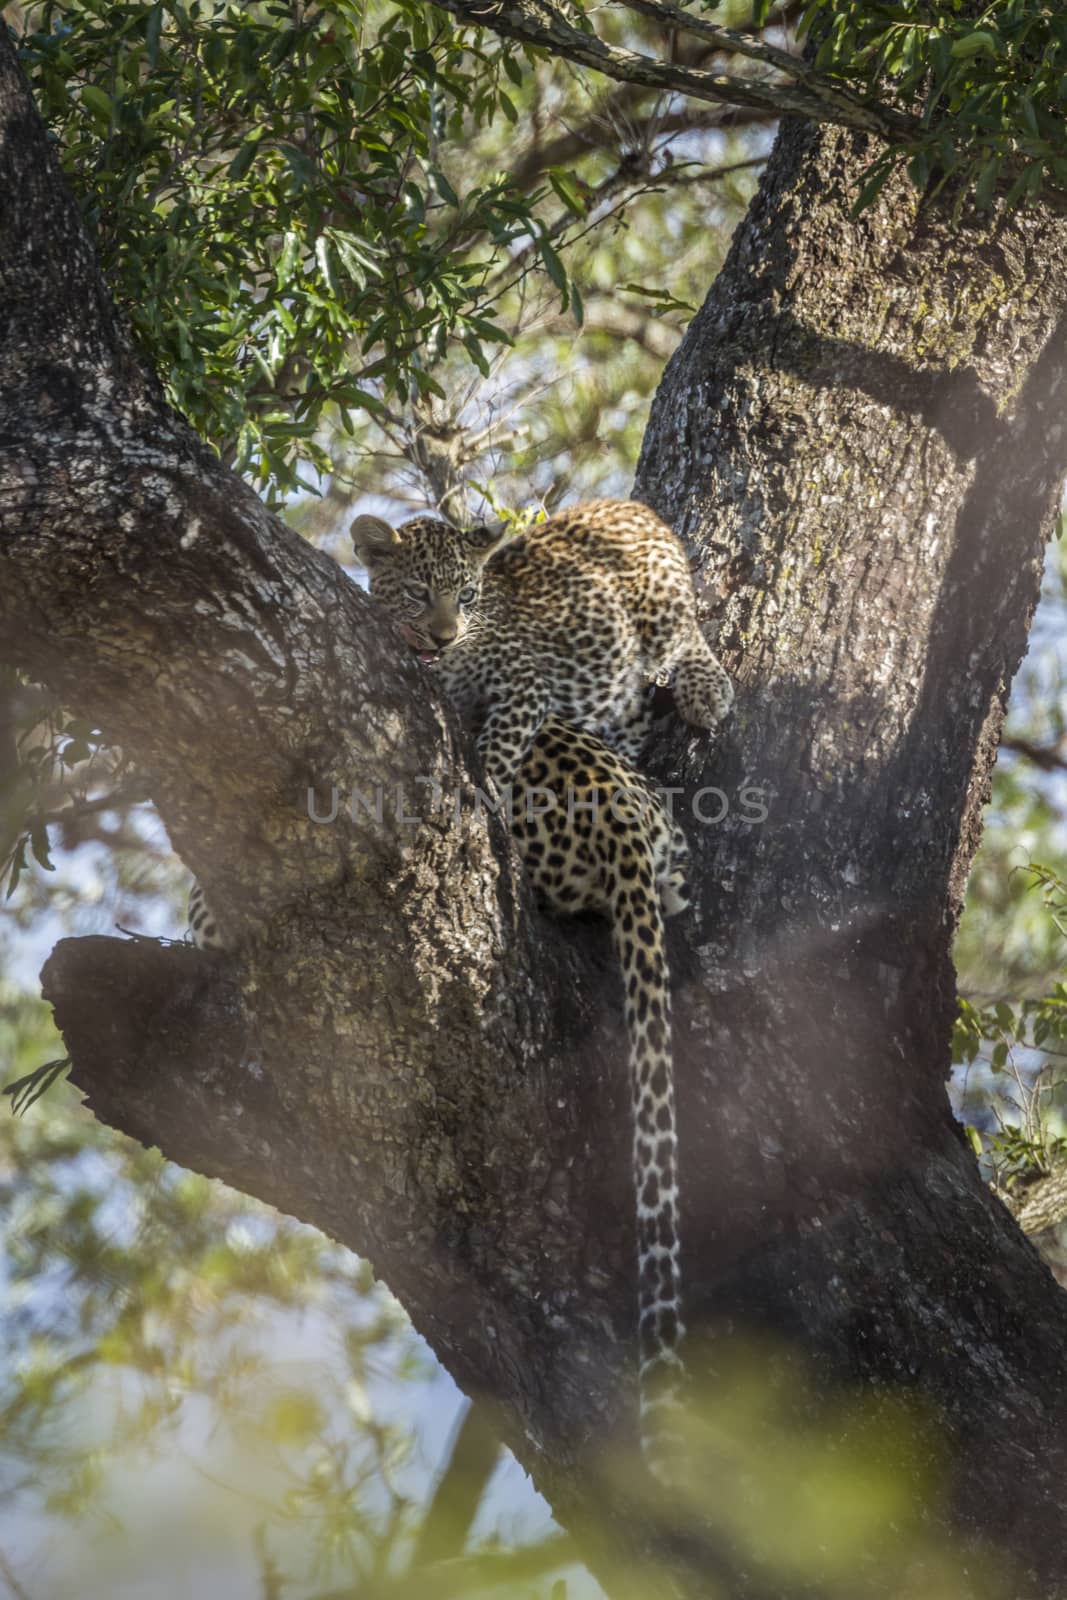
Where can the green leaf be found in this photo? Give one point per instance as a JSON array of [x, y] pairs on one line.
[[358, 256], [414, 201], [244, 157], [39, 844], [986, 187], [366, 402], [489, 330], [554, 267], [324, 257], [291, 248], [26, 1091], [18, 867], [980, 42], [566, 187], [99, 105], [153, 33], [300, 165], [476, 353], [443, 187]]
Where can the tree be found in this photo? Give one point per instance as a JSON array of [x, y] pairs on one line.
[[428, 1074]]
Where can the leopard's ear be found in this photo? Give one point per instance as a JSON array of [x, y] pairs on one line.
[[485, 540], [371, 537]]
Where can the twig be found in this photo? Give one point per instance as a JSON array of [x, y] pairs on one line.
[[17, 1589]]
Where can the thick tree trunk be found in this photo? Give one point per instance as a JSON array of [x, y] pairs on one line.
[[862, 436]]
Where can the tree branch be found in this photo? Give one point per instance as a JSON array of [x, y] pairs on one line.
[[1041, 1204], [1048, 758], [732, 41], [535, 22]]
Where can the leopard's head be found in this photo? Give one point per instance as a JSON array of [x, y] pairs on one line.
[[427, 575]]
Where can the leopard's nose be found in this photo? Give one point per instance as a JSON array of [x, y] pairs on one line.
[[443, 636]]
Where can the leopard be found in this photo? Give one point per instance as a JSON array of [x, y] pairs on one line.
[[550, 644], [580, 615]]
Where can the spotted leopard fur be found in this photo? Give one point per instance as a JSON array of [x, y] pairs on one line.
[[549, 645], [579, 616], [203, 929], [605, 843]]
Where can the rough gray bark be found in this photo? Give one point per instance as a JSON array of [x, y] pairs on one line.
[[862, 435]]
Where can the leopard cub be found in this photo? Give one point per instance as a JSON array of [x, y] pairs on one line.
[[550, 644], [580, 616]]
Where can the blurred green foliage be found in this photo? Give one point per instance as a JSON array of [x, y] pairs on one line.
[[164, 1334], [1009, 945], [1018, 1047], [40, 745], [823, 1492], [1010, 1038]]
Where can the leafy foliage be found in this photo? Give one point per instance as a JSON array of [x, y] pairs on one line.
[[1021, 1044], [988, 84], [138, 1300], [266, 189], [561, 412], [40, 745], [316, 219], [24, 1092], [1008, 945]]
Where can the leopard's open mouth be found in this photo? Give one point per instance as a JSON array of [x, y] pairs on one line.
[[427, 653]]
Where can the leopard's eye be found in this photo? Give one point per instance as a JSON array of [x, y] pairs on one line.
[[418, 594], [466, 596]]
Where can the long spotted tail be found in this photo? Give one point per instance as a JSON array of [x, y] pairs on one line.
[[637, 931], [203, 929]]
